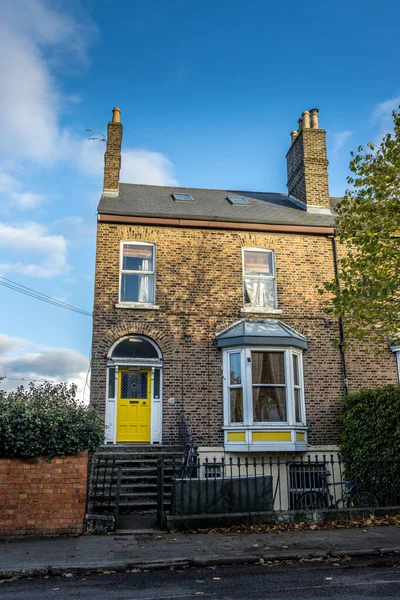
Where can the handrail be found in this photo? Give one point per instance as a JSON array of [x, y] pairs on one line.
[[189, 463]]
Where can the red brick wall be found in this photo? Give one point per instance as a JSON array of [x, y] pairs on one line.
[[43, 497]]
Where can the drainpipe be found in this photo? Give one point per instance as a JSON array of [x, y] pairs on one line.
[[340, 320]]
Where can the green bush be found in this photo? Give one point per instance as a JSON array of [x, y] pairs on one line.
[[370, 422], [47, 420], [370, 440]]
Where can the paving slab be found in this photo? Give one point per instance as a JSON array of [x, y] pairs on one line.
[[158, 550]]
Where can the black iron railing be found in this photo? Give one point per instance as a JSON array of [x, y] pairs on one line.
[[104, 486], [274, 483], [188, 466]]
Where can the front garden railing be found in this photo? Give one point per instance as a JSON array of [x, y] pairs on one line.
[[274, 483]]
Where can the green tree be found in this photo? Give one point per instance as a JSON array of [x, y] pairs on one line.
[[366, 294]]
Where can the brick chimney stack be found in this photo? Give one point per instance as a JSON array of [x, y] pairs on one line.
[[307, 165], [112, 156]]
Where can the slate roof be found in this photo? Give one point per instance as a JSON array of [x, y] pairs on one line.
[[211, 205], [260, 331]]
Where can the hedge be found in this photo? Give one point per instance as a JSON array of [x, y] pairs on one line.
[[47, 420], [370, 440]]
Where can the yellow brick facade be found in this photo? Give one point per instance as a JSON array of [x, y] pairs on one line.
[[199, 292]]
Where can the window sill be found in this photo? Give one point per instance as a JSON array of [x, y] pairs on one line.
[[260, 310], [137, 306], [257, 438]]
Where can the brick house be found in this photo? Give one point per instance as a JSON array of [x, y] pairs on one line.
[[206, 304]]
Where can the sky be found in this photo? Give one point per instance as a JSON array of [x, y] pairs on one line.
[[209, 93]]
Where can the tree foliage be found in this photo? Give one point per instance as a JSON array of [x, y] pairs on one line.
[[48, 421], [366, 296]]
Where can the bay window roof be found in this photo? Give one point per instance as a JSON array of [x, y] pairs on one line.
[[260, 332]]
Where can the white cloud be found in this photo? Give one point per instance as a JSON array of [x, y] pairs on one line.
[[9, 343], [339, 140], [144, 166], [50, 364], [382, 118], [138, 165], [57, 363], [14, 196], [33, 39], [33, 241]]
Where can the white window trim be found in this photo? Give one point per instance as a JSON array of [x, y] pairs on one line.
[[396, 351], [247, 389], [128, 304], [250, 307]]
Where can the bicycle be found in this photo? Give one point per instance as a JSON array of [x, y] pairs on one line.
[[352, 497]]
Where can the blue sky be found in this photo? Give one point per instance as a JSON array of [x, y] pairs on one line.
[[209, 93]]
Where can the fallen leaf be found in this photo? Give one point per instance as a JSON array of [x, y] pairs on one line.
[[199, 594], [216, 577], [55, 589], [68, 575], [328, 578]]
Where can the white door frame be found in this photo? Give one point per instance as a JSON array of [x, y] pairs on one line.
[[112, 402]]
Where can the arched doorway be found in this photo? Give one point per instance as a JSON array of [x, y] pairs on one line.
[[134, 391]]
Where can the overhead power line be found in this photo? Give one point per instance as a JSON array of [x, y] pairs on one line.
[[4, 376], [12, 285]]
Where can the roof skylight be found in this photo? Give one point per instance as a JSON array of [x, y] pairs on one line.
[[182, 197], [237, 200]]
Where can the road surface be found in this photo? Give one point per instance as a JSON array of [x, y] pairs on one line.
[[354, 579]]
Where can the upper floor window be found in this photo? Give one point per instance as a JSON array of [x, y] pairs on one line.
[[137, 272], [259, 285]]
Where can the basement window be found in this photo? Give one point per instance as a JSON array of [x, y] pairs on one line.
[[237, 200], [182, 197]]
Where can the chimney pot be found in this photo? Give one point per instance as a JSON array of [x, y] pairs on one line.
[[116, 115], [306, 119], [294, 134], [314, 118], [300, 122]]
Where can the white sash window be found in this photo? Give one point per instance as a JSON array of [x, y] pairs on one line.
[[263, 387], [259, 284], [137, 280]]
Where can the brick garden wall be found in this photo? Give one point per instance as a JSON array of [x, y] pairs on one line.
[[199, 291], [43, 498]]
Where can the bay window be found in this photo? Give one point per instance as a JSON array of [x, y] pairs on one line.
[[264, 407], [137, 280], [270, 390]]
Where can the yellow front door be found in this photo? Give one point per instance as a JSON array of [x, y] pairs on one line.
[[133, 410]]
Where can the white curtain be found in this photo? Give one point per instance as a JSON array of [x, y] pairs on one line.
[[259, 292], [145, 284]]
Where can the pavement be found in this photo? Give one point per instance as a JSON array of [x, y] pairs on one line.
[[119, 552]]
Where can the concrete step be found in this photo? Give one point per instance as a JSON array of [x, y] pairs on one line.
[[112, 448]]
